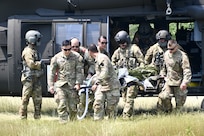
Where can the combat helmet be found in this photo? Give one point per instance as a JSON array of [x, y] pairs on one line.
[[163, 34], [122, 37], [33, 37]]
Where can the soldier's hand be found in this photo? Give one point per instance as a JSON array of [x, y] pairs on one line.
[[141, 65], [183, 86], [93, 88], [77, 87], [51, 90]]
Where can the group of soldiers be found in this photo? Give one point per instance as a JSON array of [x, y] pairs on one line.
[[74, 63]]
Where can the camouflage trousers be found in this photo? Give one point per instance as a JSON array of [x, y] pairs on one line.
[[34, 90], [105, 104], [82, 104], [129, 95], [67, 100], [164, 99]]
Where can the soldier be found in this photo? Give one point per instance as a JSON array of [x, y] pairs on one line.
[[106, 86], [68, 67], [144, 37], [129, 56], [177, 73], [31, 73], [154, 55], [102, 45], [76, 46], [88, 61], [88, 72]]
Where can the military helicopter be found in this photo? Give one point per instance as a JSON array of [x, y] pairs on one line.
[[87, 20]]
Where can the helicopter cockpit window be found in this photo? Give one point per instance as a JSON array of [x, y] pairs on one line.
[[65, 31], [70, 30], [92, 33]]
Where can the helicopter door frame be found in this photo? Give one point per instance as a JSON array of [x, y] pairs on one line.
[[16, 42], [87, 29]]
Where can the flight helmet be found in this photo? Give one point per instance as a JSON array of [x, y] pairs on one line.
[[33, 37], [122, 37]]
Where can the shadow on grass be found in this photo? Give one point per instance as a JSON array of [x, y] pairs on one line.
[[154, 111], [50, 112]]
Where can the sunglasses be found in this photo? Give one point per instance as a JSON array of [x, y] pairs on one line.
[[171, 48], [75, 46], [67, 49], [104, 42]]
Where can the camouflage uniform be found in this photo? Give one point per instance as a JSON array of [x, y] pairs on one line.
[[107, 89], [88, 62], [31, 82], [151, 55], [88, 69], [69, 72], [130, 57], [177, 70]]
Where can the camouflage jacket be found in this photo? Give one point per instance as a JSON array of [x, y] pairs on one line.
[[89, 63], [66, 70], [103, 51], [176, 68], [105, 73], [131, 57], [31, 63], [151, 53]]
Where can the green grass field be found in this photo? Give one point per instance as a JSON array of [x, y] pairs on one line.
[[144, 122]]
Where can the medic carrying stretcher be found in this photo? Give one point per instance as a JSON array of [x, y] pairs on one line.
[[146, 78]]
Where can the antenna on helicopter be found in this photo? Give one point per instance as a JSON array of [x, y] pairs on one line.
[[70, 2]]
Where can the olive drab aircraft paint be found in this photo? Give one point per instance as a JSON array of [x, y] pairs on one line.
[[58, 20]]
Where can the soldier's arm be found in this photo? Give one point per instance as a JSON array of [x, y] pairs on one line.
[[31, 63], [163, 70], [83, 49], [91, 63], [91, 69], [79, 70], [103, 75], [186, 69], [148, 56], [53, 72], [139, 56]]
